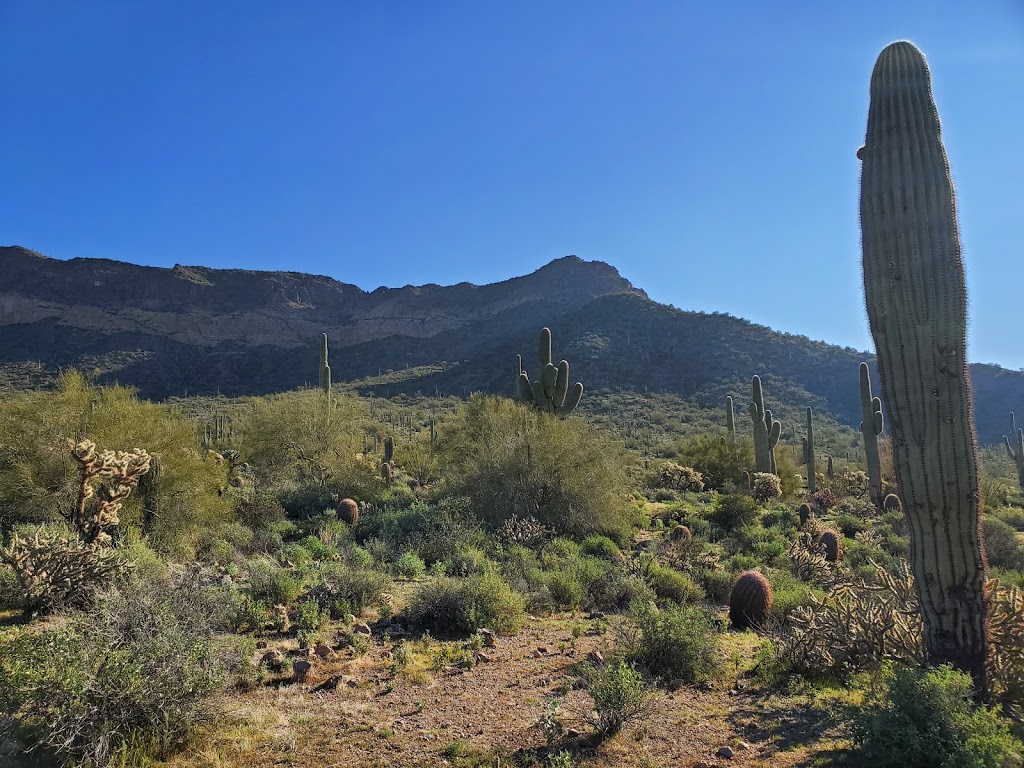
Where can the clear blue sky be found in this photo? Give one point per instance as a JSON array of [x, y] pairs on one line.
[[706, 149]]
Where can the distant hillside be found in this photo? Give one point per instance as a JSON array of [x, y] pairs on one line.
[[192, 330]]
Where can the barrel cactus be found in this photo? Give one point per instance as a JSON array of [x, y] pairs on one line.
[[348, 512], [805, 514], [916, 300], [832, 544], [681, 534], [750, 601]]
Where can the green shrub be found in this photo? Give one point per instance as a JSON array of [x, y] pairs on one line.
[[719, 460], [670, 584], [271, 583], [1002, 547], [133, 676], [926, 719], [677, 643], [601, 546], [620, 696], [616, 590], [340, 589], [564, 589], [734, 511], [509, 459], [1012, 516], [717, 583], [446, 605], [410, 566]]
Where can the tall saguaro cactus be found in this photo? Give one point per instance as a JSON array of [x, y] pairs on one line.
[[871, 428], [808, 455], [325, 369], [1016, 456], [916, 301], [551, 391], [730, 419], [766, 430]]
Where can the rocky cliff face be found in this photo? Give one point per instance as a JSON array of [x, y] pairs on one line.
[[201, 307]]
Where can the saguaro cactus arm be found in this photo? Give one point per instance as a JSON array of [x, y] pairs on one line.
[[916, 299], [870, 429]]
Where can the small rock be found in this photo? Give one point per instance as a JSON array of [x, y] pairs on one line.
[[11, 747], [703, 764], [300, 669], [574, 733], [362, 628], [743, 745], [542, 649], [274, 661], [261, 645], [725, 752], [595, 658], [488, 636], [481, 656], [596, 615], [537, 654], [324, 651], [396, 630]]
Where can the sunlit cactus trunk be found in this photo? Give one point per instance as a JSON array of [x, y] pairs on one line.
[[917, 308]]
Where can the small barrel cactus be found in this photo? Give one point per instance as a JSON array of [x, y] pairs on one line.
[[892, 503], [348, 512], [750, 602], [832, 543], [681, 534], [805, 514]]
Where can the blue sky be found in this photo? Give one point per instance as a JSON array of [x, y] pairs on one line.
[[705, 149]]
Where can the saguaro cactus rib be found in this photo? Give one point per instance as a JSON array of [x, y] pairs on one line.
[[916, 301]]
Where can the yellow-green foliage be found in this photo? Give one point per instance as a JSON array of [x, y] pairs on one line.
[[39, 477], [510, 459], [300, 437]]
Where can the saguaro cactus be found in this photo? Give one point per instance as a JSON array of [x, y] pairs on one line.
[[730, 419], [916, 301], [325, 369], [871, 428], [766, 430], [1016, 456], [551, 391], [808, 455]]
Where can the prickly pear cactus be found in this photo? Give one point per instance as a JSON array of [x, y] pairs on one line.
[[916, 301], [550, 392]]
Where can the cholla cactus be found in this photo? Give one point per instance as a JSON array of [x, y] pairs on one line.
[[858, 626], [1006, 648], [523, 530], [54, 567], [116, 473], [766, 486]]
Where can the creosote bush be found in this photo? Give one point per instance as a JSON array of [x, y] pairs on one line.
[[461, 606], [620, 696], [925, 718], [675, 643], [509, 459]]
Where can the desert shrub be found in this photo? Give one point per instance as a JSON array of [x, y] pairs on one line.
[[37, 475], [512, 460], [851, 525], [1002, 547], [409, 565], [564, 589], [925, 718], [620, 696], [557, 551], [734, 511], [340, 588], [261, 510], [789, 593], [616, 590], [680, 478], [670, 584], [467, 561], [1012, 516], [677, 643], [446, 605], [133, 675], [717, 583], [718, 460], [766, 486], [271, 583], [601, 546]]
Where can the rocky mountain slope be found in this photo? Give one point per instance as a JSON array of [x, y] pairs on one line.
[[192, 330]]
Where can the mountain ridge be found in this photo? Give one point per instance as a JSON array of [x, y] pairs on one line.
[[196, 330]]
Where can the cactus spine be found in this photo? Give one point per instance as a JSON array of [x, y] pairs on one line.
[[916, 301], [730, 419], [550, 392], [808, 455], [766, 430], [1016, 456], [871, 428], [325, 369]]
